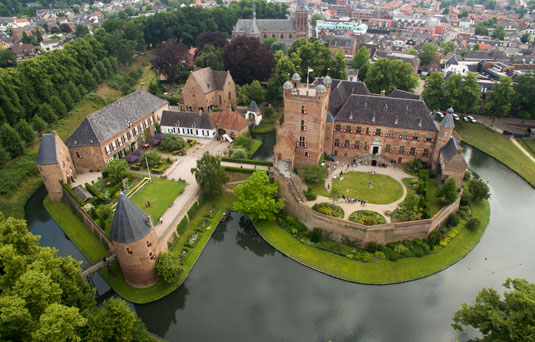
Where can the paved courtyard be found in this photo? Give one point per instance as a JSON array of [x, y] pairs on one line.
[[393, 171]]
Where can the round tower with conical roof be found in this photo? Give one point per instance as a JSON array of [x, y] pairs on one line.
[[136, 244]]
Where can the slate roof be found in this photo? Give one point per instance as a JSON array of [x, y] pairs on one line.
[[448, 122], [82, 193], [253, 107], [210, 80], [450, 149], [341, 90], [266, 25], [329, 117], [386, 111], [187, 120], [47, 150], [109, 121], [344, 42], [129, 222], [402, 94], [253, 29], [231, 120]]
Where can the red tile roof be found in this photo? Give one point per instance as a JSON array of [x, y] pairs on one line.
[[231, 120]]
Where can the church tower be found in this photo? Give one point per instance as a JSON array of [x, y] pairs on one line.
[[443, 136], [135, 242], [301, 19]]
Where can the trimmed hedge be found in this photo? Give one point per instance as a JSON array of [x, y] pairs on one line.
[[92, 189], [193, 210], [135, 167], [159, 170], [247, 161], [181, 227], [71, 192], [238, 169]]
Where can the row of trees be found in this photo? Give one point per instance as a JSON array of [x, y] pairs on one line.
[[44, 298], [464, 95]]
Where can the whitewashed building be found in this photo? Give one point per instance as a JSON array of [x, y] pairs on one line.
[[188, 124]]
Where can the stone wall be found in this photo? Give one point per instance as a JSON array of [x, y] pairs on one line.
[[88, 221], [339, 228]]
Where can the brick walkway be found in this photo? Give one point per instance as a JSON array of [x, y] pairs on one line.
[[393, 171]]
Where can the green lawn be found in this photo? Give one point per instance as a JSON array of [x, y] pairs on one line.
[[87, 242], [319, 188], [255, 146], [379, 272], [528, 144], [160, 193], [384, 190], [499, 147]]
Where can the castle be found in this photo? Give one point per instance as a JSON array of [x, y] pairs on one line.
[[285, 30], [342, 119]]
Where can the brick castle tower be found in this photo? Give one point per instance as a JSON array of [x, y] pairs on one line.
[[55, 165], [135, 242], [301, 19], [301, 130], [445, 133]]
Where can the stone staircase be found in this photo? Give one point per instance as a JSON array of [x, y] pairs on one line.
[[296, 188]]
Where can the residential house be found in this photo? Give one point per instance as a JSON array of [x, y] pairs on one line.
[[231, 124], [347, 44], [188, 124]]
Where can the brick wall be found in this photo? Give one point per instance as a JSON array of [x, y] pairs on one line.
[[339, 228]]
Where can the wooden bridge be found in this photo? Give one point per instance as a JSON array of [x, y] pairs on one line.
[[94, 268]]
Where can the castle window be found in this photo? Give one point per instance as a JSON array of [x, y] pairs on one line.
[[307, 154], [114, 145], [290, 36], [338, 127], [388, 147], [303, 127], [426, 152], [265, 35], [78, 155], [415, 136], [359, 130], [402, 149], [273, 35], [302, 142], [368, 130], [107, 148], [413, 151], [404, 135], [336, 142], [390, 133], [365, 145], [282, 36], [348, 128], [429, 137], [149, 244], [303, 110], [346, 143], [357, 144], [151, 120], [377, 131], [129, 251]]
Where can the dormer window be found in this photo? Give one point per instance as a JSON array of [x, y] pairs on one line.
[[406, 109], [373, 118], [365, 104], [386, 106], [419, 122], [396, 120]]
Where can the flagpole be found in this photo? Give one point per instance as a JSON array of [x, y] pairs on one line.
[[308, 74]]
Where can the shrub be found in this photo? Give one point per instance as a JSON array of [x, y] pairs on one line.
[[268, 112], [172, 142], [116, 170], [153, 157], [390, 254], [168, 267], [453, 220], [329, 209], [314, 173], [464, 199], [372, 247], [73, 195], [193, 210], [239, 153], [433, 239], [418, 251], [315, 235], [245, 141], [92, 189], [473, 224], [202, 199], [367, 217], [310, 194], [181, 227]]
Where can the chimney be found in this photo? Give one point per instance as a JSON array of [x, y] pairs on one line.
[[383, 92], [142, 87]]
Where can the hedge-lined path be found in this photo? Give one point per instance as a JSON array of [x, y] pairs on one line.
[[392, 171], [181, 169]]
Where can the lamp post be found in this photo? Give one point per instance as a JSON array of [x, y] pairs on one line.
[[148, 168]]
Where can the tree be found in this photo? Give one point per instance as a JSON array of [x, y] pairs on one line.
[[428, 53], [239, 153], [283, 72], [172, 142], [497, 319], [96, 75], [59, 323], [361, 62], [269, 41], [7, 58], [388, 75], [4, 158], [65, 28], [434, 93], [449, 191], [170, 58], [413, 52], [25, 131], [314, 173], [252, 92], [168, 267], [210, 175], [338, 69], [315, 18], [473, 224], [67, 99], [216, 39], [479, 189], [80, 30], [210, 56], [247, 59], [499, 99], [315, 55], [47, 113], [10, 141], [88, 81], [257, 197], [117, 170], [113, 322], [74, 92], [58, 106], [526, 38], [152, 157], [499, 33], [523, 99], [38, 124], [447, 47], [463, 93], [481, 29]]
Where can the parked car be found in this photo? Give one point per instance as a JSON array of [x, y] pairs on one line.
[[471, 119], [455, 117], [439, 115], [465, 118]]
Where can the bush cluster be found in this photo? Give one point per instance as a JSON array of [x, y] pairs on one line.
[[329, 209], [193, 210], [367, 217]]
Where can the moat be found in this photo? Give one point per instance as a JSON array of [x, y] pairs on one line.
[[241, 289]]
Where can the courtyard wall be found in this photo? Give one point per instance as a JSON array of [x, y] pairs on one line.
[[340, 229]]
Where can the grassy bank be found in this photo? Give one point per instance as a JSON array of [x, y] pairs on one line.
[[378, 272], [528, 144], [90, 246], [267, 124], [499, 147]]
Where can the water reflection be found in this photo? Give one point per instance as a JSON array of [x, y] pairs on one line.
[[248, 238], [265, 151]]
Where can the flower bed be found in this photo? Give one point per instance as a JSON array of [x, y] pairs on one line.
[[367, 217], [329, 209]]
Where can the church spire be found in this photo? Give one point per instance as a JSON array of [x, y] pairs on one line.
[[254, 11], [253, 29]]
